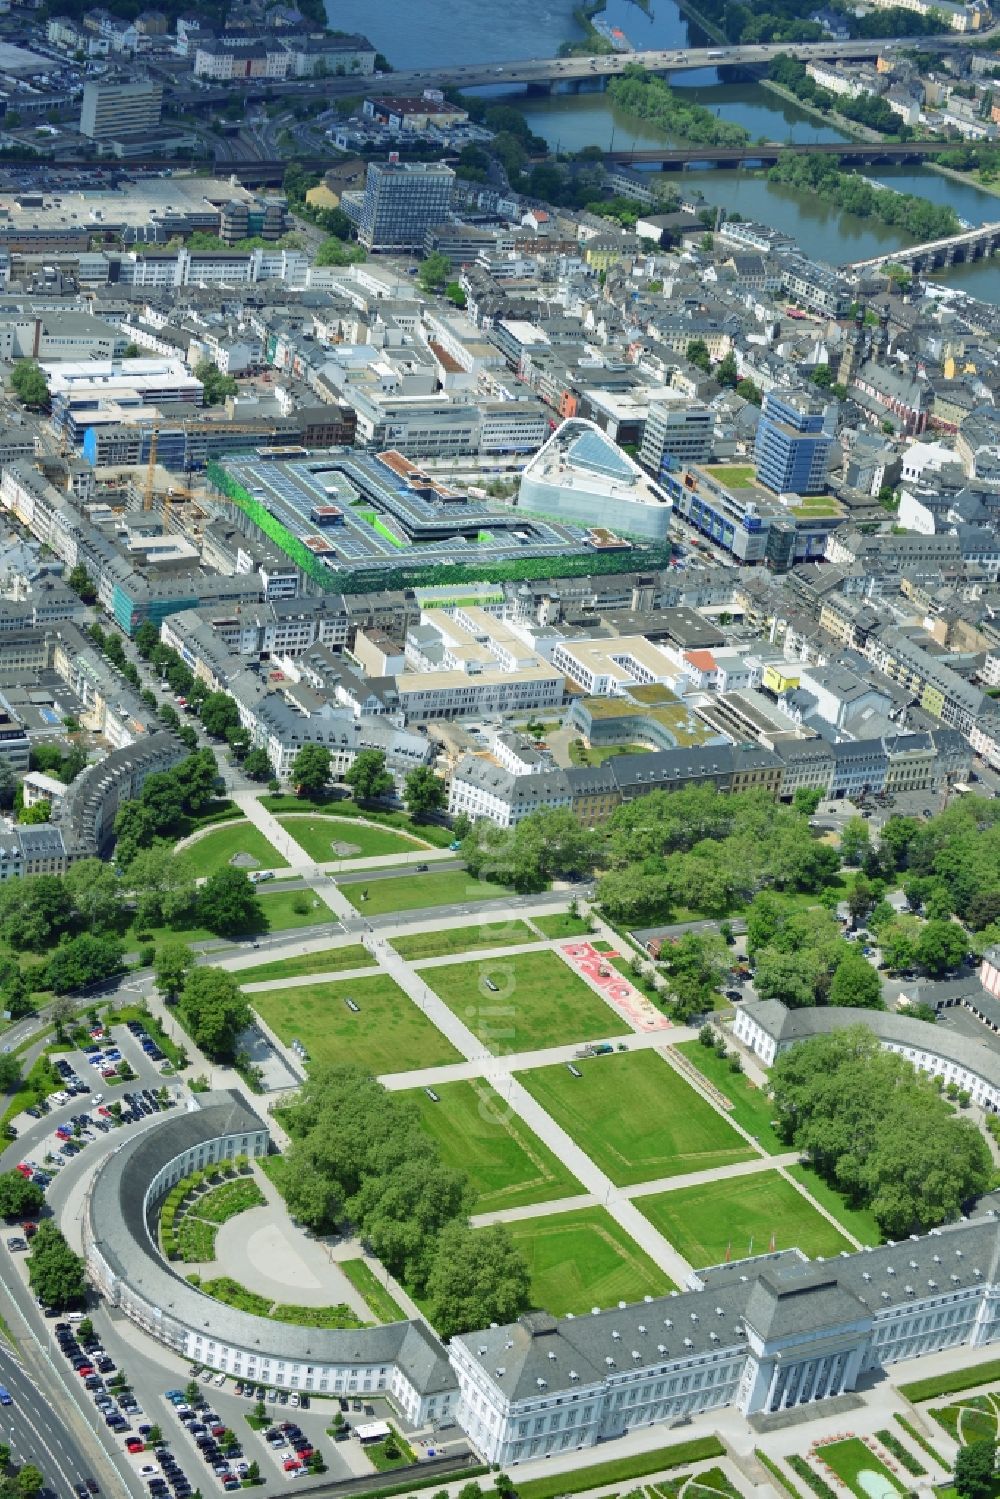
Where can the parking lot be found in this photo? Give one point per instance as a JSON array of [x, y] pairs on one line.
[[92, 1100]]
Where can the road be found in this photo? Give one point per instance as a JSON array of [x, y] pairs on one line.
[[61, 1437], [544, 70], [35, 1429]]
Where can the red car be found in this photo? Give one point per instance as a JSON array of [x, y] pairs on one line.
[[85, 1371], [135, 1444], [290, 1465], [29, 1230], [104, 1112], [305, 1454], [24, 1170]]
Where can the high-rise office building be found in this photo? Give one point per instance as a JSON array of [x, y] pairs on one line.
[[118, 106], [402, 201], [677, 431], [794, 437]]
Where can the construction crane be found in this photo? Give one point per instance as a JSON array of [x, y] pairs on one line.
[[147, 495]]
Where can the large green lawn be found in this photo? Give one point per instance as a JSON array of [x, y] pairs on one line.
[[476, 1132], [388, 1034], [636, 1117], [752, 1107], [581, 1260], [741, 1214], [461, 939], [410, 892], [539, 1001], [301, 965], [218, 848], [316, 835]]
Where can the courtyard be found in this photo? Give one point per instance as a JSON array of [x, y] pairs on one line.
[[523, 1002]]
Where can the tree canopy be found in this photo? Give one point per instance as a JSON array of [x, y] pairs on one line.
[[29, 384], [228, 904], [549, 844], [55, 1272], [702, 849], [214, 1012], [367, 776], [878, 1131], [311, 769], [359, 1155], [424, 792]]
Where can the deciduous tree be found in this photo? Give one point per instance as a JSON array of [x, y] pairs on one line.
[[228, 904], [476, 1278], [214, 1012], [367, 776], [311, 769]]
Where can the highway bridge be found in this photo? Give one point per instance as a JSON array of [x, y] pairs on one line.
[[544, 72], [858, 152]]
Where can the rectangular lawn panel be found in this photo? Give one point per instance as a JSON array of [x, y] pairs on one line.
[[538, 1001], [316, 835], [411, 892], [217, 849], [584, 1259], [636, 1117], [740, 1214], [460, 939], [387, 1034], [301, 965], [476, 1132]]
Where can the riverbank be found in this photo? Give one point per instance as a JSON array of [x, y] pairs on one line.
[[851, 128], [967, 179]]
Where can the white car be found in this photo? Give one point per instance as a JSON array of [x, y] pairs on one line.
[[293, 1400], [219, 1379]]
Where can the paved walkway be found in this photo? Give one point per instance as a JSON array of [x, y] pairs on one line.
[[503, 1066]]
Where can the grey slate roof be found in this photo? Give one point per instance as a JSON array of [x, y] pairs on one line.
[[122, 1235], [786, 1026], [780, 1295]]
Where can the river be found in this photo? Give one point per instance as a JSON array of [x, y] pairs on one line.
[[424, 32]]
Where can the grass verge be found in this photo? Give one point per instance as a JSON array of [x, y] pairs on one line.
[[463, 939], [920, 1390], [303, 965], [752, 1107], [382, 1305], [621, 1470], [857, 1221], [412, 892], [776, 1473], [430, 832]]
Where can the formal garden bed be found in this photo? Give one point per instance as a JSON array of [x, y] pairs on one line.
[[972, 1419], [225, 1289], [195, 1208], [853, 1462]]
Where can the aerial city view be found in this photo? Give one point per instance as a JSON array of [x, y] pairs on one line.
[[500, 749]]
